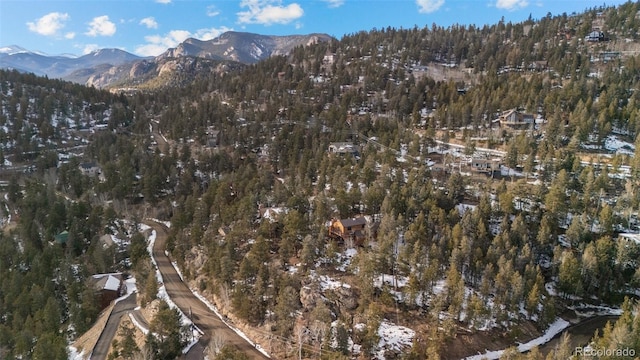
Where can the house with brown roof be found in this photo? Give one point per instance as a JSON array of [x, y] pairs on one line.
[[108, 287], [516, 120], [349, 229]]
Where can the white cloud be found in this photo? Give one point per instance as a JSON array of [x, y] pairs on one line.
[[88, 48], [101, 26], [334, 3], [69, 35], [163, 1], [49, 25], [212, 11], [511, 4], [429, 6], [150, 22], [212, 33], [157, 44], [268, 12]]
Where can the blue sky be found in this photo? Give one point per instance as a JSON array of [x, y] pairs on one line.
[[149, 27]]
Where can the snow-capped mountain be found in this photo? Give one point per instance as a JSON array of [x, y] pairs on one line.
[[12, 49], [15, 57]]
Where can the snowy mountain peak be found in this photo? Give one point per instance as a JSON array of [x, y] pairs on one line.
[[13, 49]]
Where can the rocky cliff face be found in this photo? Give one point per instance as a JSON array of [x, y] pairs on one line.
[[242, 47]]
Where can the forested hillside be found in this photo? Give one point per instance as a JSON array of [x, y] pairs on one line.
[[382, 129]]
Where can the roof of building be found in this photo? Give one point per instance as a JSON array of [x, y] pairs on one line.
[[353, 221], [62, 237], [343, 147], [88, 165], [108, 281]]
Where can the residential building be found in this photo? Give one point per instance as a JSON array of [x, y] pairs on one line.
[[349, 229], [342, 148], [516, 120], [485, 165], [108, 287], [89, 168]]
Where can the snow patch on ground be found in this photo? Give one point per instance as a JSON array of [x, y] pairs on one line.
[[612, 143], [586, 310], [165, 223], [131, 287], [328, 283], [345, 259], [393, 337], [74, 354], [175, 266], [390, 280]]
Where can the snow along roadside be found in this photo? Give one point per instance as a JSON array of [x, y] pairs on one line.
[[554, 329], [196, 333], [215, 310]]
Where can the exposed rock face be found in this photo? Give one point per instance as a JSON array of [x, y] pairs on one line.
[[346, 298], [242, 47], [308, 297], [140, 68]]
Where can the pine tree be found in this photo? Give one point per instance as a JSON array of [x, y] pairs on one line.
[[167, 335]]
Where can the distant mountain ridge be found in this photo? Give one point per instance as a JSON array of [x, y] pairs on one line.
[[105, 67], [59, 66], [247, 48]]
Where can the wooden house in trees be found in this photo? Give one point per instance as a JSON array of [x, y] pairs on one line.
[[212, 138], [349, 229], [515, 120], [343, 148], [108, 287], [487, 166]]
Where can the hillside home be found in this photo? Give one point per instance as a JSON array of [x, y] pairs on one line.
[[212, 138], [487, 166], [89, 169], [343, 148], [108, 287], [349, 229], [329, 59], [516, 120], [609, 55], [596, 36], [538, 66]]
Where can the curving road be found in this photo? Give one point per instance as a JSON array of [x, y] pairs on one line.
[[201, 315], [101, 349]]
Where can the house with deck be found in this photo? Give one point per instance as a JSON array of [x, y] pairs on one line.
[[516, 120], [349, 229], [487, 166], [343, 148]]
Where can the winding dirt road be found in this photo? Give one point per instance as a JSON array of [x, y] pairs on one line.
[[201, 315]]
